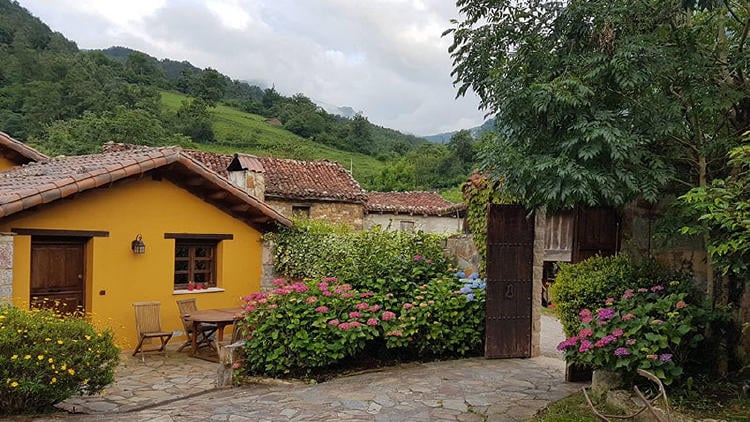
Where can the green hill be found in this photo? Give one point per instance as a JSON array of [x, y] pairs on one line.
[[237, 131]]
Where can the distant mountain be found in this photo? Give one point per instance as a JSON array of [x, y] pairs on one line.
[[444, 138], [343, 111]]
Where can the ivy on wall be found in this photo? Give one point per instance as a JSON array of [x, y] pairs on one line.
[[478, 193]]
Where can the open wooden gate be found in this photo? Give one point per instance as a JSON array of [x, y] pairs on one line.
[[597, 232], [510, 259]]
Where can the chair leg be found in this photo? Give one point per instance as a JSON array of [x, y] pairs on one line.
[[139, 348]]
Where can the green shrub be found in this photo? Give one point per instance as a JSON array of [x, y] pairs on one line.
[[589, 283], [653, 328], [46, 358], [375, 259], [299, 327], [446, 317]]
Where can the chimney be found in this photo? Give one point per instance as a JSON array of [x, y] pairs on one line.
[[246, 172]]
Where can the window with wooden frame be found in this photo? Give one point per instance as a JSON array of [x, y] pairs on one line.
[[406, 226], [301, 211], [194, 261]]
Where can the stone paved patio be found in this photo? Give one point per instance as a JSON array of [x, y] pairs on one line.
[[179, 388]]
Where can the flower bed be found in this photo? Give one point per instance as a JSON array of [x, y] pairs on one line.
[[46, 358], [654, 328], [301, 327]]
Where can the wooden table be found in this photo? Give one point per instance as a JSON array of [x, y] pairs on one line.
[[220, 317]]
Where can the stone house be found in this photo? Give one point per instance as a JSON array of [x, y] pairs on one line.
[[414, 211], [318, 189]]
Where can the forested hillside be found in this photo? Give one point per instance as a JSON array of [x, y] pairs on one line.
[[67, 101]]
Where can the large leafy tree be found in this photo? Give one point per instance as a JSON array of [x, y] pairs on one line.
[[599, 102]]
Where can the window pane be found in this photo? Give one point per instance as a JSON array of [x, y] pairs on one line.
[[181, 251], [200, 278], [180, 278], [181, 266], [202, 265], [202, 252]]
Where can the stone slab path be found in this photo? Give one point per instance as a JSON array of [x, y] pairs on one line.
[[178, 388]]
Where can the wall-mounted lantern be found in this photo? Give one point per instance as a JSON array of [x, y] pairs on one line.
[[137, 245]]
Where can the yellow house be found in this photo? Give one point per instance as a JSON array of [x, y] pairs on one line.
[[72, 225]]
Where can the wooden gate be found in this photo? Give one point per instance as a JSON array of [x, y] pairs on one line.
[[597, 232], [57, 277], [510, 258]]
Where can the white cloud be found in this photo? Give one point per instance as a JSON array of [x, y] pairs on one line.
[[386, 57]]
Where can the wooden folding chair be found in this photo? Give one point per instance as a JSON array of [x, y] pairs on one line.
[[205, 331], [148, 325]]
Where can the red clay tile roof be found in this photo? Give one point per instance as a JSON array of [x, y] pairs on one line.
[[17, 151], [424, 203], [321, 180], [34, 184]]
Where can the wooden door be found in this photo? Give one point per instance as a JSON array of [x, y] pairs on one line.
[[510, 259], [597, 232], [57, 273]]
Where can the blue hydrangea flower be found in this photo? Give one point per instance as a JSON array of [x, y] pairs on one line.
[[461, 274], [470, 297], [465, 289], [473, 276]]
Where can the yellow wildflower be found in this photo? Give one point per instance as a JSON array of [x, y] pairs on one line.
[[71, 371], [85, 382], [14, 357], [2, 316], [40, 357], [59, 342], [64, 366], [27, 357], [14, 384], [47, 339], [88, 337], [50, 360], [53, 380]]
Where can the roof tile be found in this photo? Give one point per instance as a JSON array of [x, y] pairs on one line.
[[425, 203]]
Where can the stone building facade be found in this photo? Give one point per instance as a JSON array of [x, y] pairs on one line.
[[414, 211]]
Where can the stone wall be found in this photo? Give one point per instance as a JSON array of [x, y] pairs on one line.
[[425, 223], [461, 248], [6, 267], [540, 227], [336, 212], [638, 240], [268, 274]]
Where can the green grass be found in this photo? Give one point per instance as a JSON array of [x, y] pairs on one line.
[[237, 131], [570, 409]]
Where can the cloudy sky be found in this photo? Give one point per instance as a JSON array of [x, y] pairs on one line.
[[385, 58]]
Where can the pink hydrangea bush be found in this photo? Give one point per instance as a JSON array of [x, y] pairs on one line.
[[654, 328], [299, 326]]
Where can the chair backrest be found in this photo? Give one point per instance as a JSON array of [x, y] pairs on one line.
[[186, 306], [147, 317]]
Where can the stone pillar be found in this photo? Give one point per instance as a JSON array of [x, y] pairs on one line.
[[540, 224], [267, 271], [6, 267]]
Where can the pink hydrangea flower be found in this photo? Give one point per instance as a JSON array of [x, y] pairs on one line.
[[605, 314], [586, 316], [417, 257], [585, 346], [388, 316], [389, 295], [347, 295], [630, 341], [622, 351], [321, 309], [354, 324], [374, 308], [311, 299], [367, 294], [333, 322], [628, 317], [362, 306], [408, 305], [618, 332], [568, 342], [429, 261], [586, 332], [279, 282], [628, 294], [642, 290], [273, 306], [373, 322], [355, 314], [322, 286], [236, 365], [330, 279], [345, 326], [680, 305], [610, 301], [657, 288]]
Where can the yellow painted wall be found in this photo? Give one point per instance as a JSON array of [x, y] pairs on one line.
[[151, 208], [5, 163]]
